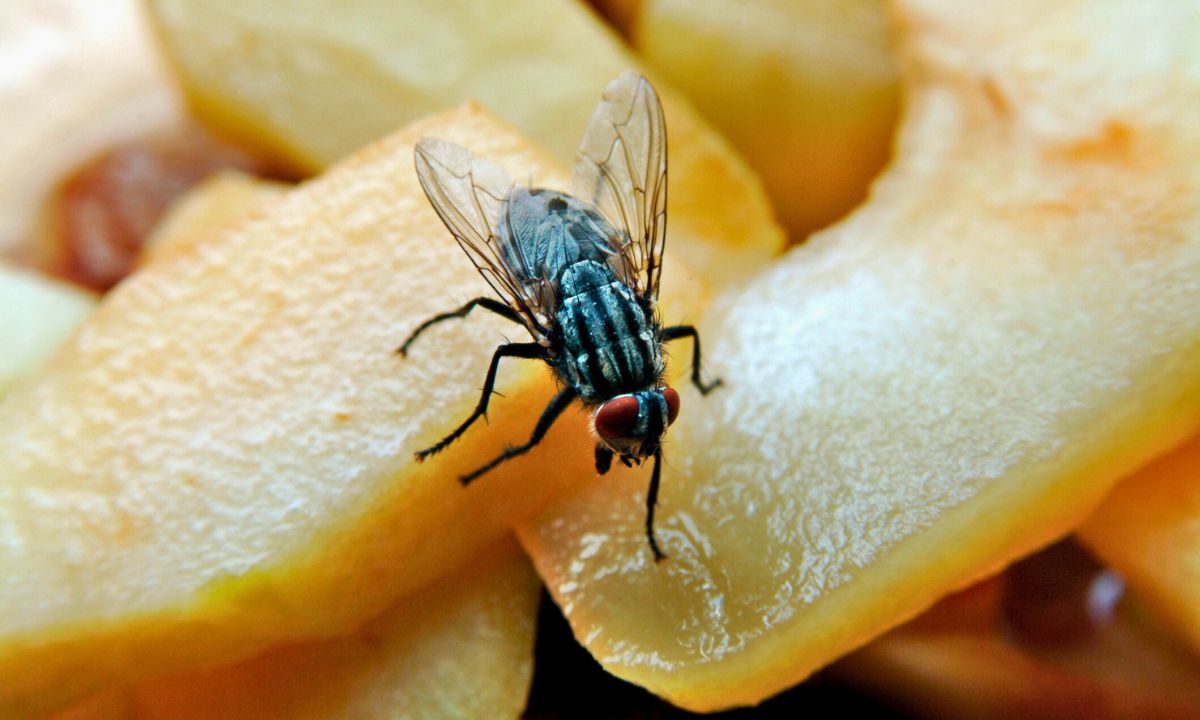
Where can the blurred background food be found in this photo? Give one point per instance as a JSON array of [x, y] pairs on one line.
[[1055, 635], [1147, 528], [312, 84], [98, 142], [948, 380], [795, 86], [37, 313], [78, 79]]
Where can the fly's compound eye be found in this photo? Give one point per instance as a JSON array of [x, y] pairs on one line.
[[672, 399], [617, 417]]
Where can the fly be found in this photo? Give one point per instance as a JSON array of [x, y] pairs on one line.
[[580, 272]]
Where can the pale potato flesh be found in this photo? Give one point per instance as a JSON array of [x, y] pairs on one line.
[[324, 77], [950, 378]]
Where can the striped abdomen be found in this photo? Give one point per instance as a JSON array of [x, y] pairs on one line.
[[610, 346]]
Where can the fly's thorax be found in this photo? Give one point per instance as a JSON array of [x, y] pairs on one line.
[[543, 232], [610, 344], [633, 424]]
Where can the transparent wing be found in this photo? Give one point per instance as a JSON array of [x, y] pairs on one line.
[[622, 170], [469, 194]]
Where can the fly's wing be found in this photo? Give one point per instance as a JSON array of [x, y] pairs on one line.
[[622, 170], [469, 195]]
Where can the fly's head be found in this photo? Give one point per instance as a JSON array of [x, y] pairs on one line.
[[632, 425]]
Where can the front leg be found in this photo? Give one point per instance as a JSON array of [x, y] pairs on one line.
[[560, 402], [486, 303], [680, 331], [651, 503], [604, 458], [528, 351]]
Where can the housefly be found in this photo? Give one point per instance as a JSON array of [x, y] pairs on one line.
[[580, 272]]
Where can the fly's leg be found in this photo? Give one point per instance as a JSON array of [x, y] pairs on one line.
[[528, 351], [681, 331], [604, 458], [560, 402], [651, 502], [486, 303]]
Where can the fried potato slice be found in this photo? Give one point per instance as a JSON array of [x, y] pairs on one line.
[[220, 459], [952, 377]]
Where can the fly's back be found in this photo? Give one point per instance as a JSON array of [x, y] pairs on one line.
[[610, 345]]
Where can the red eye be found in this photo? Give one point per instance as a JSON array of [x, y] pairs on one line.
[[672, 399], [617, 417]]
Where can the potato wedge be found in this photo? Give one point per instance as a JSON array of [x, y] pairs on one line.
[[952, 377], [220, 459]]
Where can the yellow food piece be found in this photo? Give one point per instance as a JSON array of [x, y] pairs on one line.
[[461, 648], [807, 91], [215, 203], [220, 459], [310, 83], [1149, 530], [952, 377], [36, 316]]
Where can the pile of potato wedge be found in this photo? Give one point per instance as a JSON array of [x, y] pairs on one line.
[[945, 260]]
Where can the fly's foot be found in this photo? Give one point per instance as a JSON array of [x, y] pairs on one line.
[[471, 476], [659, 555], [421, 455]]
